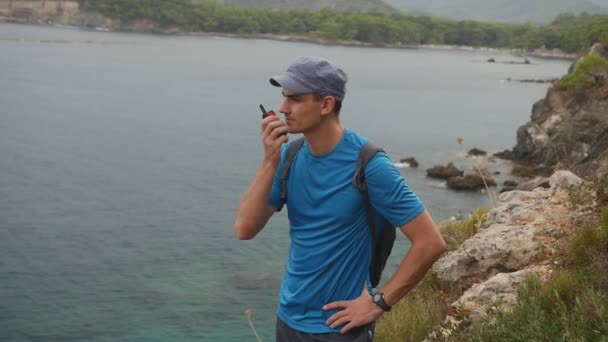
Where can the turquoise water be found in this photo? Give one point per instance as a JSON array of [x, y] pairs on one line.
[[124, 156]]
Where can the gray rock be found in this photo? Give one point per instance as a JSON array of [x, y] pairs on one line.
[[496, 249], [538, 182], [411, 161], [506, 154], [500, 289], [564, 179], [476, 152], [444, 172], [472, 181]]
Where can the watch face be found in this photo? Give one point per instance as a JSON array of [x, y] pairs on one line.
[[377, 297]]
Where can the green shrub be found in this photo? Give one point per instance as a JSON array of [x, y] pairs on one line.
[[588, 192], [560, 290], [541, 315], [582, 75], [600, 186], [579, 195], [589, 242], [455, 233]]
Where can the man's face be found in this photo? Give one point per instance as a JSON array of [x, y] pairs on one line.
[[302, 111]]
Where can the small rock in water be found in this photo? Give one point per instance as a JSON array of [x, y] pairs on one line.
[[506, 154], [476, 152], [444, 172], [411, 161]]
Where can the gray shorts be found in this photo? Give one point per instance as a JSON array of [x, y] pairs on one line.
[[360, 334]]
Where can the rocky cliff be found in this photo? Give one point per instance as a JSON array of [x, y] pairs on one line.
[[51, 13], [70, 13], [569, 127], [519, 238]]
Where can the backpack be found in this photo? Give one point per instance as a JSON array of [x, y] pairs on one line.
[[381, 245]]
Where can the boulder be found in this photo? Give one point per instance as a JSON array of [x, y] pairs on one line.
[[506, 154], [500, 289], [411, 161], [530, 171], [564, 179], [472, 181], [499, 248], [514, 207], [538, 182], [508, 185], [444, 172], [505, 243], [474, 152]]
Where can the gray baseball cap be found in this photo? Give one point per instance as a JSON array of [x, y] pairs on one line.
[[313, 75]]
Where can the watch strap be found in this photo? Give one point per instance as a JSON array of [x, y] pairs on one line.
[[378, 299]]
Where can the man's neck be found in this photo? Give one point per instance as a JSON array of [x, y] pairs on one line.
[[325, 138]]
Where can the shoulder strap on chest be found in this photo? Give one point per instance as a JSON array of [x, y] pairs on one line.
[[292, 150], [368, 151]]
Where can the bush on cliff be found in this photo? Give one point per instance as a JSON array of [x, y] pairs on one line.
[[587, 72], [572, 305]]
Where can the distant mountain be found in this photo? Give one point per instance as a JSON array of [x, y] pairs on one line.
[[340, 5], [601, 3], [533, 11]]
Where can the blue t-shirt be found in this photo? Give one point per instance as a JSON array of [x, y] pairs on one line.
[[330, 247]]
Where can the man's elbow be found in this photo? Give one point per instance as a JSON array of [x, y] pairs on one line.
[[242, 232], [440, 247]]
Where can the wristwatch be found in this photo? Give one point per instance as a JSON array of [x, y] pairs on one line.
[[378, 299]]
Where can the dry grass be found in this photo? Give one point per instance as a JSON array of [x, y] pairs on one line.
[[415, 315], [425, 307]]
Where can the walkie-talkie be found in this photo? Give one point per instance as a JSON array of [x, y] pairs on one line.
[[265, 113]]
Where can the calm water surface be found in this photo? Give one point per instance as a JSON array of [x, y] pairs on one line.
[[123, 157]]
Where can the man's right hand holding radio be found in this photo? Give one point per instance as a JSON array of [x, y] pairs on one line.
[[274, 135]]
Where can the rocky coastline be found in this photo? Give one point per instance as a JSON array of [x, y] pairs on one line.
[[568, 128]]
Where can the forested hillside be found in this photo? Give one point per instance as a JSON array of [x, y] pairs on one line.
[[534, 11], [340, 5], [569, 33]]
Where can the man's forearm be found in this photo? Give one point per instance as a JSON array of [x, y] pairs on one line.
[[254, 210], [412, 269]]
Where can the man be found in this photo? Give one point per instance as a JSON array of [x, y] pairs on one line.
[[325, 293]]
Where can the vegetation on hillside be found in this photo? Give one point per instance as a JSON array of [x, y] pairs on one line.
[[341, 5], [536, 11], [570, 33], [591, 68]]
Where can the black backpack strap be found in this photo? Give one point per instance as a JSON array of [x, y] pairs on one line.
[[292, 150], [368, 151]]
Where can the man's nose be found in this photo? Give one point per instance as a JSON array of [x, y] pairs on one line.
[[284, 108]]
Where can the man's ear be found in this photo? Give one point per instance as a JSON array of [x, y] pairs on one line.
[[328, 105]]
